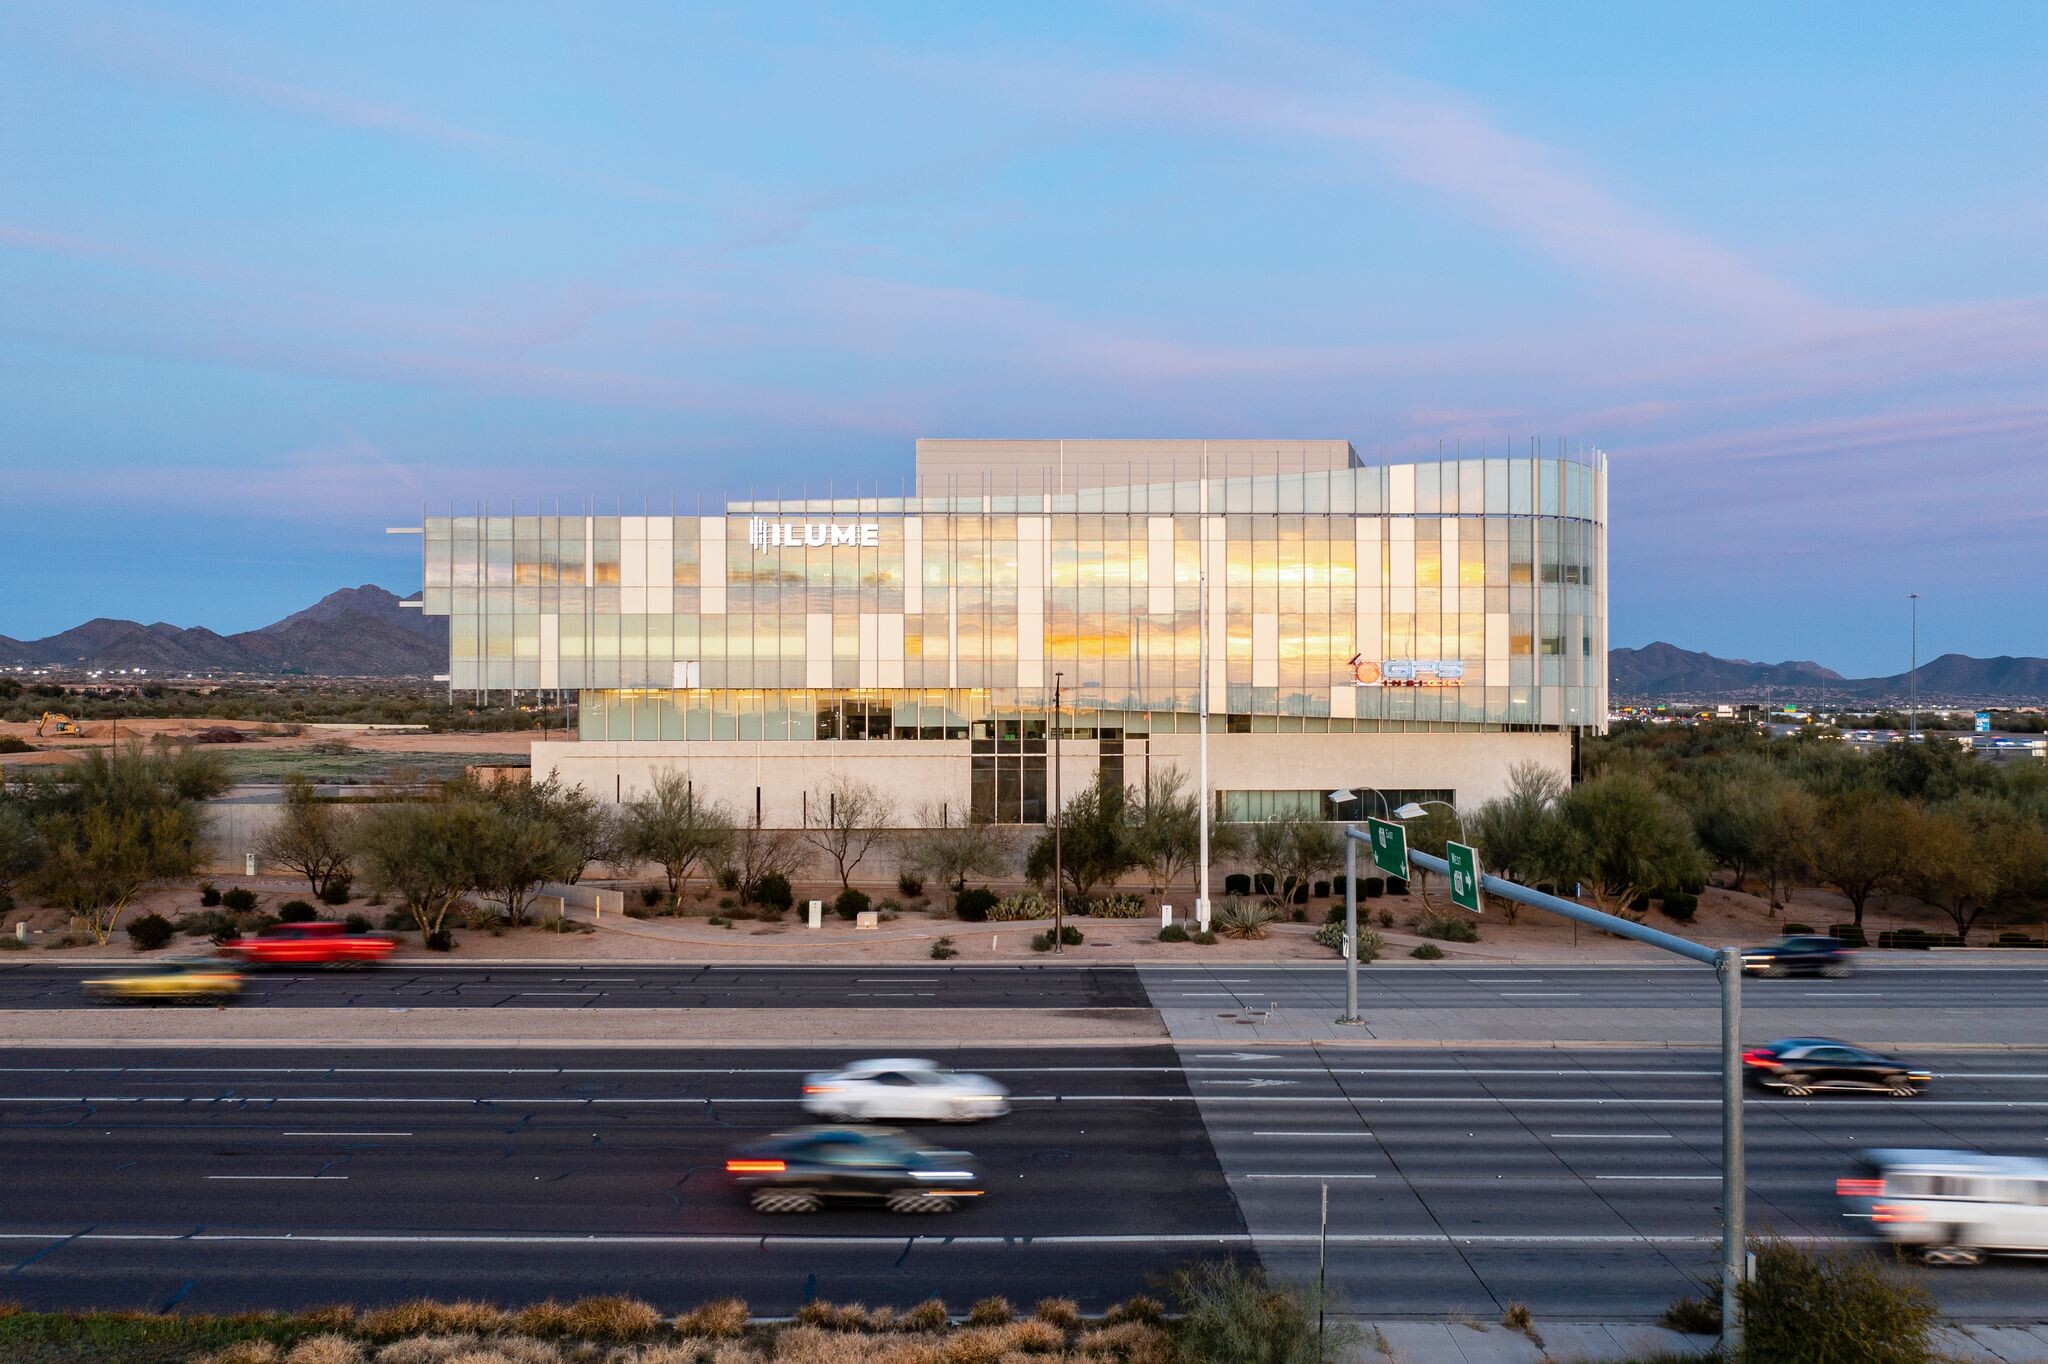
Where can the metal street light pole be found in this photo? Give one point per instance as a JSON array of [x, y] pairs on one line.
[[1059, 898], [1202, 718], [1913, 672]]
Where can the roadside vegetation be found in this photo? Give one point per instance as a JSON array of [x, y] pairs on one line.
[[284, 701]]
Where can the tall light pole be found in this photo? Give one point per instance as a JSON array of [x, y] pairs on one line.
[[1913, 672], [1059, 897], [1202, 714]]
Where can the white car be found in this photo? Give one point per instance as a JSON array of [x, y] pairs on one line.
[[897, 1088]]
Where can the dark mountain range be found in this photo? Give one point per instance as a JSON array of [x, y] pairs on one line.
[[356, 632], [1664, 672]]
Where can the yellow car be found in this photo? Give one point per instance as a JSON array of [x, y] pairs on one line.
[[198, 982]]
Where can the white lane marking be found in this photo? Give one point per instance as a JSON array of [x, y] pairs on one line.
[[895, 1243], [1611, 1136], [1539, 994], [561, 994], [1846, 994], [1306, 1176], [1208, 994], [1346, 1133], [904, 994], [1644, 1179], [344, 1134], [299, 1178], [895, 980]]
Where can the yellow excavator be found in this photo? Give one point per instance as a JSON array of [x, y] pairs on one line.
[[58, 724]]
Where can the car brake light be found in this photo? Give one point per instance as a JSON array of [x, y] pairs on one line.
[[821, 1089], [1858, 1188], [755, 1167], [1758, 1056], [1897, 1212]]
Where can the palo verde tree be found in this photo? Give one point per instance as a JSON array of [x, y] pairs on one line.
[[1094, 843], [1859, 844], [1293, 850], [1429, 832], [1517, 834], [1971, 854], [950, 849], [311, 836], [1619, 836], [519, 848], [428, 853], [115, 823], [675, 828], [844, 820]]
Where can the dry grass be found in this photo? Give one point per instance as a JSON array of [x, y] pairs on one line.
[[615, 1318], [1128, 1342], [335, 1316], [723, 1319], [1064, 1313], [427, 1349], [424, 1316], [991, 1312], [544, 1318], [929, 1315], [328, 1349], [243, 1352], [1137, 1308]]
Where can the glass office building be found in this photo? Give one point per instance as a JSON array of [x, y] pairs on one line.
[[1443, 600]]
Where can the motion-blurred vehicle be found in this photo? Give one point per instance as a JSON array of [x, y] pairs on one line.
[[801, 1171], [309, 944], [1798, 1066], [1952, 1206], [901, 1089], [170, 982], [1800, 955]]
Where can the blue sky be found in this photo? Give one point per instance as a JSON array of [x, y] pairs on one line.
[[271, 276]]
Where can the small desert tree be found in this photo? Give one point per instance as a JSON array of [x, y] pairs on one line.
[[1785, 854], [1094, 843], [753, 853], [1517, 834], [1859, 845], [1294, 850], [1429, 832], [21, 846], [847, 819], [1968, 855], [587, 829], [943, 846], [428, 853], [675, 828], [519, 850], [311, 837], [1620, 836]]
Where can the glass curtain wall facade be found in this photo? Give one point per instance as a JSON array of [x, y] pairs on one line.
[[1468, 591]]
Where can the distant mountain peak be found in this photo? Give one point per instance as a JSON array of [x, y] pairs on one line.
[[1665, 672]]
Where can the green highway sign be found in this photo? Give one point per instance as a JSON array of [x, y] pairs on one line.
[[1389, 847], [1464, 875]]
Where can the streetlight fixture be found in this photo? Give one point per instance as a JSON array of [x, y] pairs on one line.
[[1414, 810]]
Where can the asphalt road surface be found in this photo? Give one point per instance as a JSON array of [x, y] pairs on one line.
[[1583, 1184], [1196, 984]]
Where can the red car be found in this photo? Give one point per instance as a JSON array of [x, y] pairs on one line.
[[309, 944]]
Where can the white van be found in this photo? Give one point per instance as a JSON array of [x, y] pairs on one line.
[[1955, 1206]]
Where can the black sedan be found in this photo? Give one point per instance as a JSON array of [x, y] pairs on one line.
[[798, 1171], [1802, 955], [1798, 1066]]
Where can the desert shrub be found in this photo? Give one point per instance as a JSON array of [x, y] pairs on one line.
[[1680, 905], [425, 1316], [1428, 951], [650, 896], [1118, 907], [1447, 927], [1173, 933], [1069, 936], [1237, 883], [943, 949], [1025, 904], [1370, 944], [209, 895], [356, 923], [243, 1352], [850, 903], [296, 912], [1243, 920], [1386, 918], [721, 1319], [991, 1311], [1064, 1313], [831, 1316], [1335, 914], [910, 883], [150, 932], [728, 878], [547, 1317], [772, 892], [728, 902], [1205, 938], [336, 891], [1798, 928], [1234, 1314], [929, 1315], [613, 1317], [1845, 1305], [238, 899], [1128, 1342], [1321, 890], [440, 940], [975, 904], [1848, 935], [1397, 885], [1375, 887], [1700, 1316], [1137, 1308]]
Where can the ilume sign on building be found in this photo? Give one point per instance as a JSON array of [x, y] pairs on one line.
[[765, 534]]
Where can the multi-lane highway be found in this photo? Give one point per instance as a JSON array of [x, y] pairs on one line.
[[1583, 1184], [1196, 984]]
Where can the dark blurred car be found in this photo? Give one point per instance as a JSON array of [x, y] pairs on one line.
[[1798, 1066], [1812, 955], [319, 943], [799, 1171]]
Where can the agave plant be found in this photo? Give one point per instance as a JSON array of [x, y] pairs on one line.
[[1243, 919]]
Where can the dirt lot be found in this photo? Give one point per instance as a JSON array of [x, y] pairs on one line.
[[337, 753]]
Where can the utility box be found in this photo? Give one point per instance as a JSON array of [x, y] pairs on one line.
[[1166, 916], [817, 914], [869, 918], [1202, 917], [248, 864]]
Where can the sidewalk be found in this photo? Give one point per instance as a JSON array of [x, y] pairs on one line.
[[1456, 1342]]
